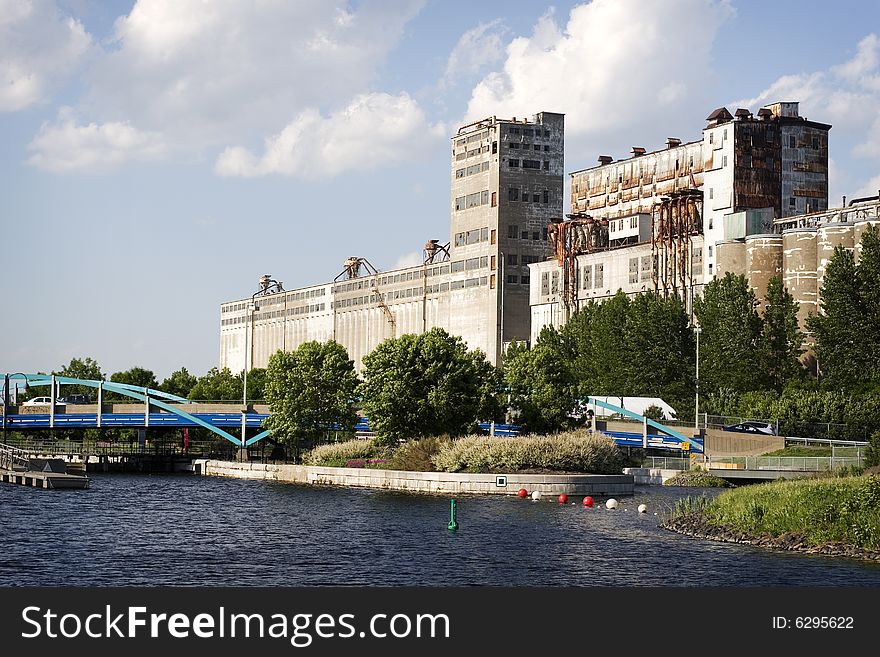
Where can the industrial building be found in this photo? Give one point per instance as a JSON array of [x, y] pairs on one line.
[[670, 220], [506, 186]]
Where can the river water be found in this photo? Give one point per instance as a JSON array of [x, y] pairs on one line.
[[137, 530]]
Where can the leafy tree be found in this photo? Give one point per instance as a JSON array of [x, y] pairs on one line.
[[422, 385], [847, 330], [217, 385], [310, 390], [180, 383], [730, 337], [781, 339], [256, 383], [85, 368], [543, 389], [654, 412]]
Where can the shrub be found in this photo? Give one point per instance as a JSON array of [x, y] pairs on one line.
[[339, 454], [417, 455], [569, 452], [872, 453], [696, 479]]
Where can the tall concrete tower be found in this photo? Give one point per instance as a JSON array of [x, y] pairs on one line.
[[507, 184]]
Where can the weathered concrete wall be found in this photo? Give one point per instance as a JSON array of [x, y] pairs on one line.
[[421, 482], [650, 476]]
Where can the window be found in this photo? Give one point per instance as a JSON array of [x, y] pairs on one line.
[[459, 203], [815, 143], [792, 201], [546, 133], [546, 148], [791, 141], [494, 199], [459, 239], [513, 145], [536, 235], [527, 132], [724, 161], [513, 193], [524, 235], [484, 166], [587, 277], [513, 163], [472, 263], [710, 222], [710, 250], [536, 147], [457, 266], [633, 270], [546, 165], [536, 198], [600, 275], [492, 281], [512, 230], [494, 147], [531, 164], [524, 279], [512, 259], [554, 288], [492, 263], [484, 234], [725, 133], [484, 197], [545, 283], [459, 173], [492, 237], [711, 137], [711, 192], [512, 278]]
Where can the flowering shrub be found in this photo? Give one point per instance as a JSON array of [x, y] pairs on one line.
[[339, 454]]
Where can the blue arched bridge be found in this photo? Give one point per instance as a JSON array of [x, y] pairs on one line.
[[162, 409]]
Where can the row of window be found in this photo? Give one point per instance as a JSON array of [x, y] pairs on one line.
[[535, 147], [470, 139], [474, 236], [474, 200], [476, 151], [513, 279], [469, 264], [529, 164], [513, 232], [536, 196], [276, 299], [471, 170], [275, 314], [526, 259], [526, 132]]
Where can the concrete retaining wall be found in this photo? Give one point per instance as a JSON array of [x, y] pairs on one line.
[[422, 482], [650, 476]]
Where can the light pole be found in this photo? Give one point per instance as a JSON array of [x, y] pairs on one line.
[[697, 330], [6, 378], [252, 306]]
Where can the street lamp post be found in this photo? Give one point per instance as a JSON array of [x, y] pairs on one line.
[[252, 306], [6, 378], [697, 330]]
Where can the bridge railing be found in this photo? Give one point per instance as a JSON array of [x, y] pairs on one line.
[[792, 463]]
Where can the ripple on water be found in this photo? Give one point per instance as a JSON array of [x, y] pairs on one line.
[[137, 530]]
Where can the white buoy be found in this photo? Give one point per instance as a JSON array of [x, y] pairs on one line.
[[536, 495], [643, 508], [611, 504]]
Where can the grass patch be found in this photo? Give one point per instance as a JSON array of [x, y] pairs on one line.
[[827, 510], [340, 455], [801, 450], [696, 478]]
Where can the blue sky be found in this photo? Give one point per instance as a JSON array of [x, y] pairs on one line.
[[160, 155]]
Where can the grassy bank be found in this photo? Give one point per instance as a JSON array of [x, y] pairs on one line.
[[696, 478], [803, 512], [564, 452]]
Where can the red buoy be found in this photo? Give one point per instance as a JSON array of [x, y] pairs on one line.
[[588, 501], [563, 498], [522, 493]]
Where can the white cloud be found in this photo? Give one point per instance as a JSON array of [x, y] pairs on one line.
[[476, 50], [67, 146], [203, 75], [408, 260], [373, 129], [607, 66], [39, 48], [870, 188]]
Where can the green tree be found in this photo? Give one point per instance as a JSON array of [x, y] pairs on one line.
[[543, 389], [85, 368], [422, 385], [180, 383], [256, 383], [847, 330], [781, 339], [310, 392], [730, 337], [217, 385]]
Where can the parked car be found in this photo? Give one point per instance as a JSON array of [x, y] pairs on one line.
[[751, 426], [41, 401], [75, 399]]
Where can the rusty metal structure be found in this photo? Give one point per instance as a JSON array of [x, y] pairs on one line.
[[435, 252], [353, 268], [674, 220], [569, 239], [269, 285]]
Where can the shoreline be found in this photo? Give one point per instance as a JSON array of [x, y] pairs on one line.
[[456, 483], [696, 525]]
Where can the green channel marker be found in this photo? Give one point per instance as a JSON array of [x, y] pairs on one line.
[[453, 525]]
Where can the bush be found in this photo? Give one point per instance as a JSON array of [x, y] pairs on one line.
[[696, 479], [567, 452], [872, 453], [417, 455], [339, 454]]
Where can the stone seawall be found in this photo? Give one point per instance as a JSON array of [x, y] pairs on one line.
[[422, 482]]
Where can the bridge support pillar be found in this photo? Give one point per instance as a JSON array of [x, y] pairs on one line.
[[645, 433]]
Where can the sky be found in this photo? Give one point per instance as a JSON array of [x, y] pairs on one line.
[[159, 156]]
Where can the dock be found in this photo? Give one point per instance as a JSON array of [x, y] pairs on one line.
[[17, 468]]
